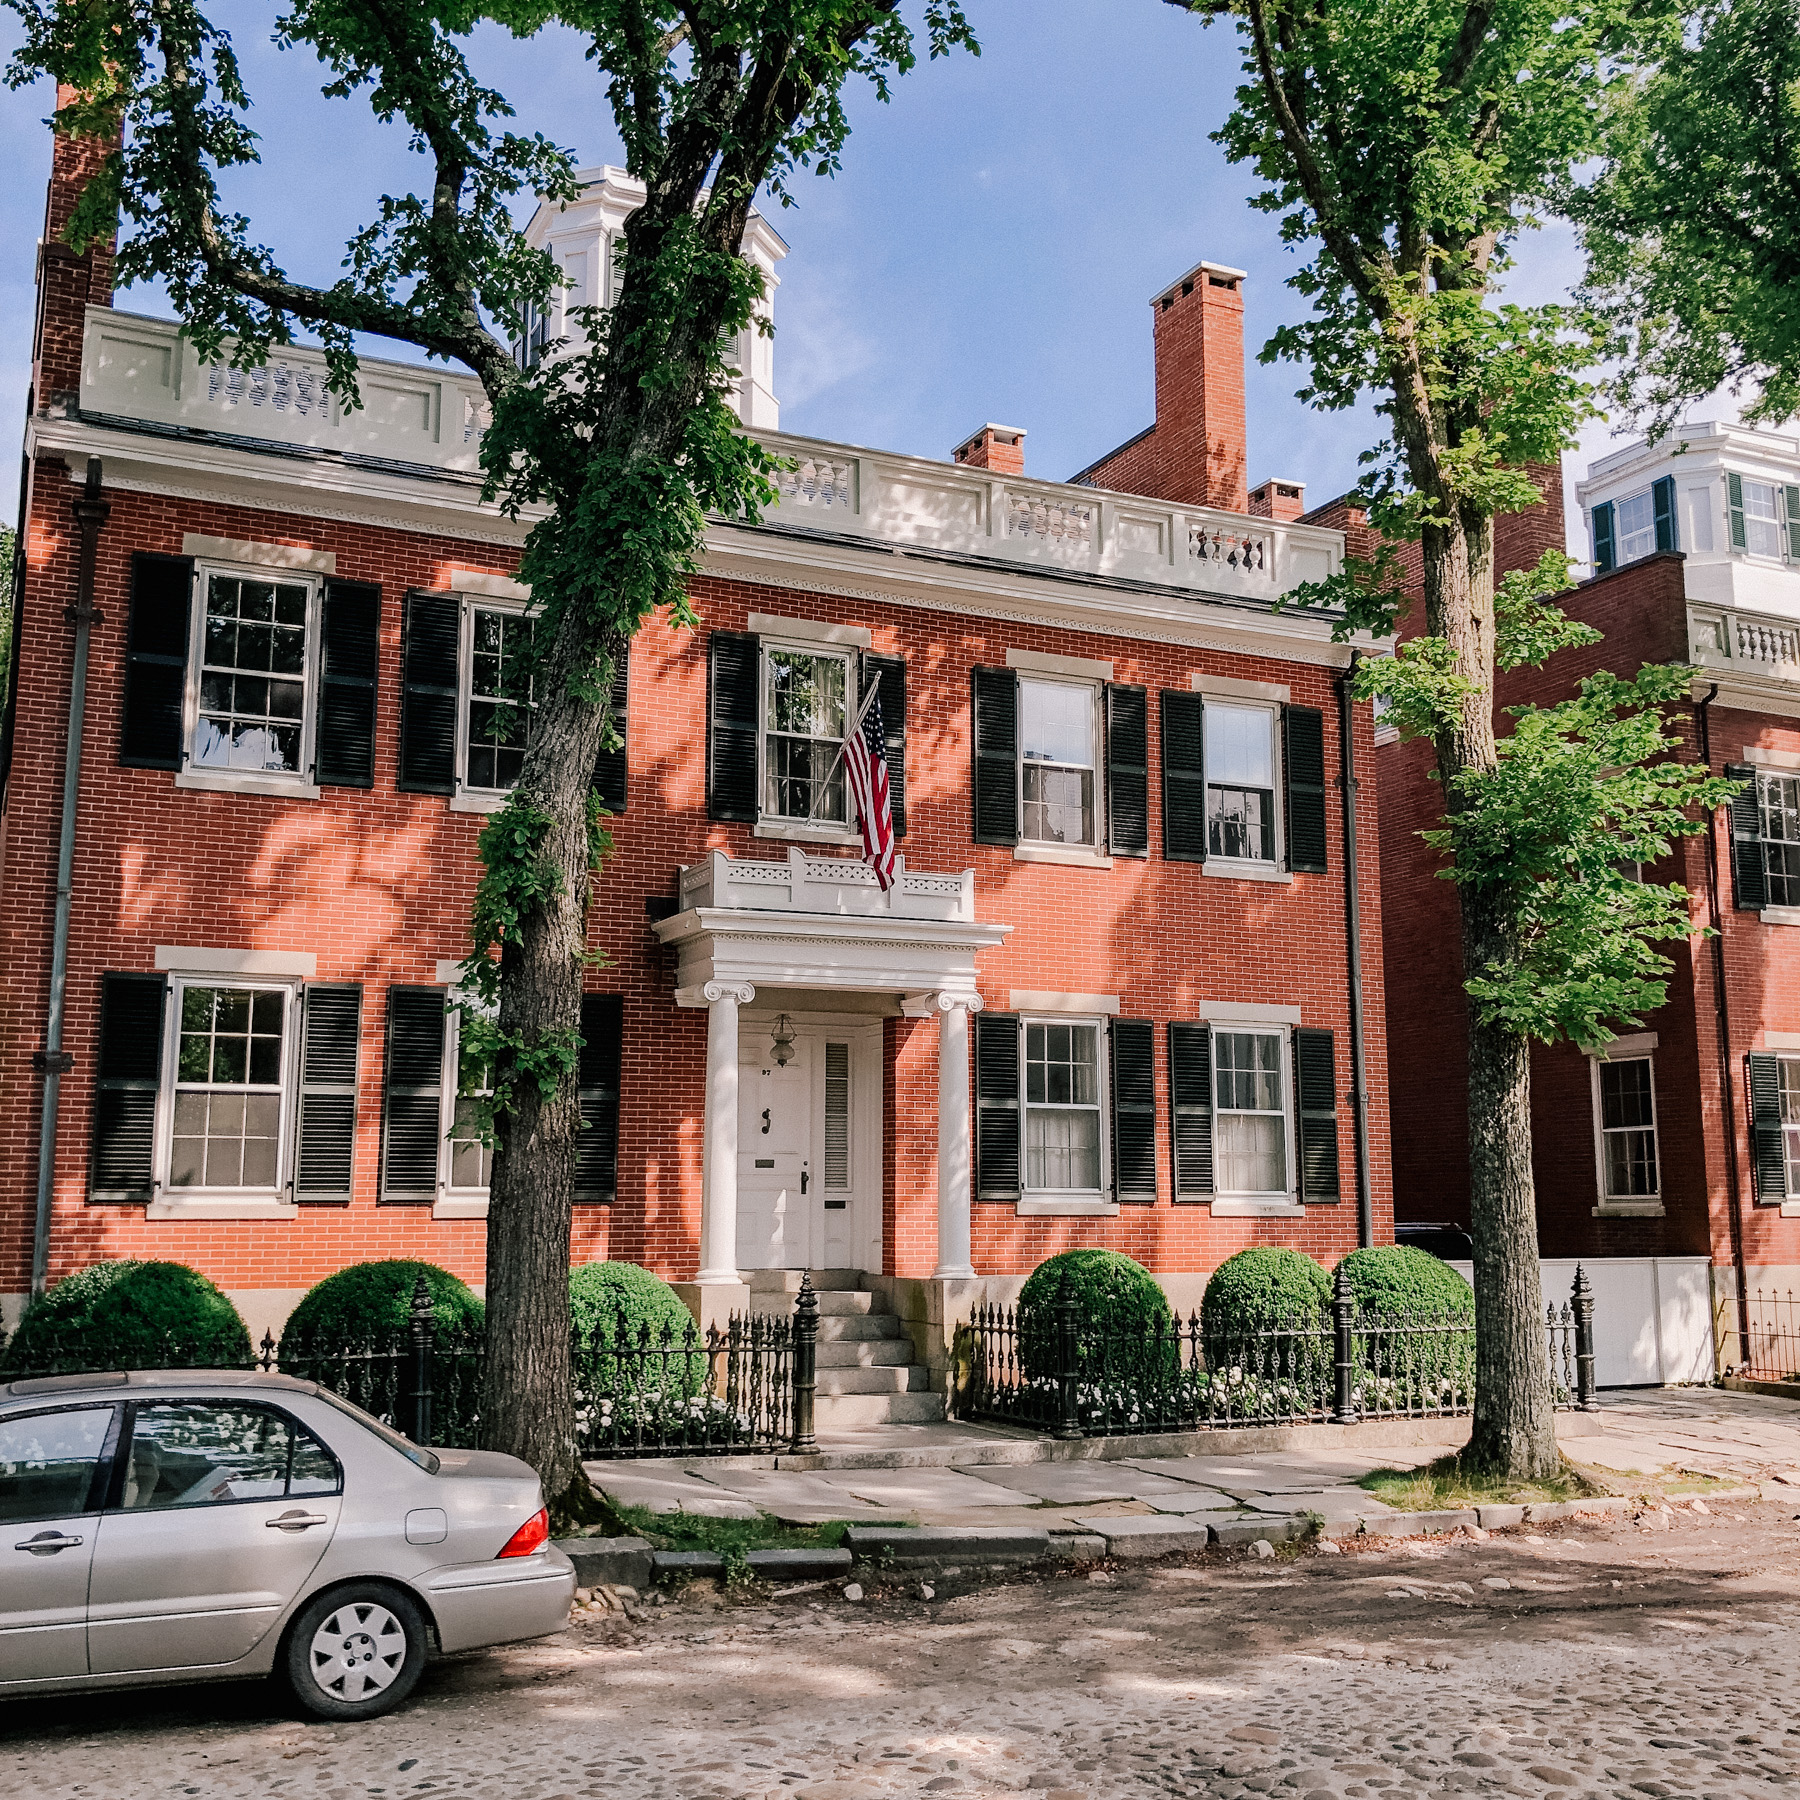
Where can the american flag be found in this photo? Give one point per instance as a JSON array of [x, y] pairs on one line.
[[865, 758]]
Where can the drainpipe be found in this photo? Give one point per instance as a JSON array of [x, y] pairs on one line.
[[1359, 1086], [53, 1062], [1734, 1197]]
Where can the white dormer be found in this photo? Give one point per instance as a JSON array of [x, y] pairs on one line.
[[584, 235]]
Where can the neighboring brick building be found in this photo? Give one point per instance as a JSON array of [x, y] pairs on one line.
[[1662, 1162], [1115, 763]]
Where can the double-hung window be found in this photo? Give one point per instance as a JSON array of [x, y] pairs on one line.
[[1250, 1113], [1059, 738], [1788, 1068], [252, 661], [1062, 1070], [496, 710], [1636, 527], [1241, 823], [1629, 1169], [1778, 801], [467, 1160], [1762, 518], [227, 1090], [806, 696]]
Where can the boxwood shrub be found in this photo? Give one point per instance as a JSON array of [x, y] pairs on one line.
[[607, 1296], [1117, 1302], [1400, 1278], [373, 1301], [1250, 1293], [129, 1315], [1424, 1368]]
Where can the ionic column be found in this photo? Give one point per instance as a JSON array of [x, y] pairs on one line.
[[719, 1148], [955, 1139]]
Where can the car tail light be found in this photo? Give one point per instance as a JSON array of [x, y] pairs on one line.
[[532, 1536]]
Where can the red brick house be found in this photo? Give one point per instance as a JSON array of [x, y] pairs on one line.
[[1109, 1000], [1667, 1162]]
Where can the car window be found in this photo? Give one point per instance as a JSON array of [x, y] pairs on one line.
[[196, 1453], [388, 1435], [47, 1462]]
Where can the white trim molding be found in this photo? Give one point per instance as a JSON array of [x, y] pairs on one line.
[[812, 631], [1625, 1047], [1023, 1000], [1771, 759], [241, 781], [1781, 1040], [1241, 1012], [1229, 687], [261, 556], [488, 585], [184, 959], [1043, 662], [1071, 856]]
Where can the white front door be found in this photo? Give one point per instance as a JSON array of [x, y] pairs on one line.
[[775, 1137], [809, 1148]]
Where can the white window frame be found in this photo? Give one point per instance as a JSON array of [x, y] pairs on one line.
[[1790, 1207], [453, 1202], [1100, 1202], [1621, 555], [303, 783], [277, 1202], [1277, 1202], [770, 824], [1641, 1048], [1256, 868], [1044, 849], [1780, 523], [468, 798]]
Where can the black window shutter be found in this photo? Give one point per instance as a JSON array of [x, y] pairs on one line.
[[122, 1163], [997, 1132], [1749, 875], [1315, 1110], [1662, 502], [602, 1040], [331, 1037], [350, 648], [734, 668], [1184, 776], [1133, 1110], [156, 657], [1191, 1108], [1127, 770], [890, 672], [1605, 556], [412, 1095], [429, 657], [612, 767], [1790, 500], [1768, 1153], [996, 775], [1734, 494], [1303, 762]]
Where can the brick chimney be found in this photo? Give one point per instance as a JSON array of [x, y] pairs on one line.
[[1195, 452], [1281, 500], [997, 447], [67, 284]]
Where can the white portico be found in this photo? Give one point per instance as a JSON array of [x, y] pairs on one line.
[[796, 961]]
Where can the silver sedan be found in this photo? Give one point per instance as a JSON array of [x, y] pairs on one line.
[[207, 1526]]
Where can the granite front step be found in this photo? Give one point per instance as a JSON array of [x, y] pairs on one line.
[[867, 1353], [859, 1412], [904, 1378], [858, 1327]]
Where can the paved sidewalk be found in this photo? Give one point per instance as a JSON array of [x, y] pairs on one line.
[[1638, 1432]]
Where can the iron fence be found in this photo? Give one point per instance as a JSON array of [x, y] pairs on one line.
[[639, 1390], [1761, 1339], [1057, 1371]]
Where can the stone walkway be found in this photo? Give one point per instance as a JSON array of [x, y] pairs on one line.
[[1637, 1433]]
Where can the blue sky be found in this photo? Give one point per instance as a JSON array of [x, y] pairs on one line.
[[988, 251]]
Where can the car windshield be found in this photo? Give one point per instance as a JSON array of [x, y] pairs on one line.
[[388, 1435]]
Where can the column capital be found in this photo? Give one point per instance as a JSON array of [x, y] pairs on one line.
[[949, 1002], [740, 991], [929, 1004]]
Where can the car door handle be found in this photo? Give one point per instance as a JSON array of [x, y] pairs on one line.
[[296, 1521], [47, 1543]]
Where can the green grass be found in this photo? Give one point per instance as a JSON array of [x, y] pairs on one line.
[[729, 1538], [1445, 1486]]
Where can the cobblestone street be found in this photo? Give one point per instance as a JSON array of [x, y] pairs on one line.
[[1618, 1659]]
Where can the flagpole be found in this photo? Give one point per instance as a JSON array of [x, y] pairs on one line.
[[819, 788]]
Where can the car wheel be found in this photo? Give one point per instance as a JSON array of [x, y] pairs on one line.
[[356, 1652]]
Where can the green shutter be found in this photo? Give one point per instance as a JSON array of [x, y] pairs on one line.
[[889, 672], [429, 653], [1769, 1155], [1605, 555], [1790, 505], [1662, 501], [331, 1036], [349, 655], [602, 1043], [1749, 873], [156, 657], [1133, 1047], [412, 1096], [1127, 770], [734, 668], [1734, 485], [611, 768]]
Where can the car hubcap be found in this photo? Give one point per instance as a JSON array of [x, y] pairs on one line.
[[358, 1651]]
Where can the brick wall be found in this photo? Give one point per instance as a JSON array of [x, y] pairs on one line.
[[67, 284], [377, 885]]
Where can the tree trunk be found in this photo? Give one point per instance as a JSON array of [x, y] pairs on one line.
[[528, 1407], [1513, 1432]]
